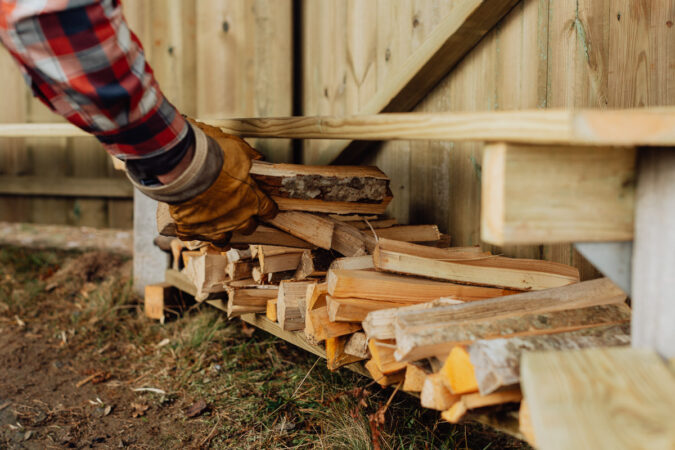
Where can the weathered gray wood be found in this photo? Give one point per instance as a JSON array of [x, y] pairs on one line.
[[613, 259], [587, 293], [496, 362], [415, 344], [653, 324]]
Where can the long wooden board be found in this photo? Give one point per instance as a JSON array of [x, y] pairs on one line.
[[599, 398]]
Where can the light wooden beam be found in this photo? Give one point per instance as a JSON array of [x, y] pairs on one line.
[[534, 194], [599, 398], [66, 186], [627, 127]]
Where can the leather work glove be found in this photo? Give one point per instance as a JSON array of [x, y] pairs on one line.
[[215, 195]]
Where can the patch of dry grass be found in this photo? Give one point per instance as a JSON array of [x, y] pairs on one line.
[[261, 392]]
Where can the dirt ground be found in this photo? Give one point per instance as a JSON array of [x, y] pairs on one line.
[[82, 368]]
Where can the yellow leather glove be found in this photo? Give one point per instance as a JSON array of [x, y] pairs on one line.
[[215, 195]]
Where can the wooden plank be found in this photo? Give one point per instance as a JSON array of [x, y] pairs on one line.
[[408, 233], [416, 344], [496, 362], [627, 127], [457, 33], [308, 227], [620, 128], [599, 398], [533, 195], [355, 309], [508, 273], [580, 295], [66, 187], [653, 282], [406, 290]]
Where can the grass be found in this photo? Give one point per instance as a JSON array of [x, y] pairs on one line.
[[261, 392]]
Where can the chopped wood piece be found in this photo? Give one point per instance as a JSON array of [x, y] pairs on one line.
[[496, 362], [599, 398], [353, 263], [288, 309], [270, 278], [417, 343], [382, 379], [207, 272], [349, 240], [177, 247], [278, 260], [187, 254], [244, 301], [497, 271], [335, 353], [366, 224], [357, 345], [239, 270], [458, 373], [329, 189], [314, 229], [165, 223], [271, 311], [455, 413], [355, 309], [414, 378], [475, 400], [313, 264], [269, 236], [321, 328], [408, 233], [444, 242], [235, 255], [423, 251], [380, 324], [245, 283], [315, 296], [161, 298], [525, 423], [587, 293], [382, 353], [435, 395], [395, 288]]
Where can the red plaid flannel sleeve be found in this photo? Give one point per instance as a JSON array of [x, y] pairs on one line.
[[82, 60]]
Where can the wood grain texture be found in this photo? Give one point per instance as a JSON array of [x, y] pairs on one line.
[[415, 344], [533, 195], [496, 362], [599, 398]]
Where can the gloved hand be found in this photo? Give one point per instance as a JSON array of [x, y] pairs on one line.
[[215, 195]]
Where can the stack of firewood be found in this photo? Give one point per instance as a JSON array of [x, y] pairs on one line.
[[447, 322]]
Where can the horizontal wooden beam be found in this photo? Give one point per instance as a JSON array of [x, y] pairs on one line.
[[547, 194], [628, 127], [66, 187]]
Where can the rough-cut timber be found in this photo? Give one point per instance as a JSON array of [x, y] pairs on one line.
[[435, 395], [498, 271], [357, 345], [415, 344], [380, 378], [349, 240], [476, 400], [355, 309], [414, 378], [244, 301], [327, 189], [163, 298], [271, 310], [313, 264], [496, 362], [457, 371], [406, 290], [600, 398], [288, 307], [408, 233], [580, 295], [275, 259], [269, 236], [308, 227], [207, 273], [379, 324], [322, 328], [353, 263], [382, 352], [336, 356]]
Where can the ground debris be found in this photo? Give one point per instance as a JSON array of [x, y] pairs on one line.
[[196, 409]]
